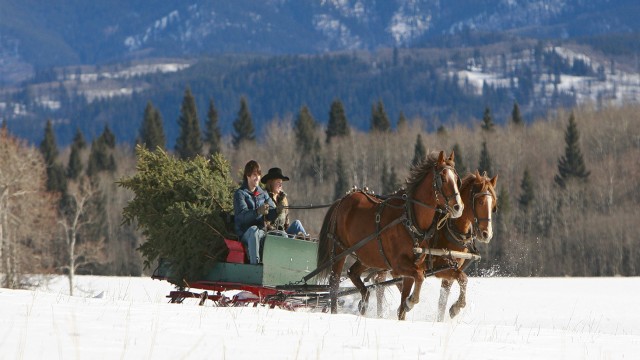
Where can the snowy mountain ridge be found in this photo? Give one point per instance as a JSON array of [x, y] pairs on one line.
[[66, 34]]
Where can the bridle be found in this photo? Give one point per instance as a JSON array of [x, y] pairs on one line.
[[476, 219], [437, 186], [468, 239]]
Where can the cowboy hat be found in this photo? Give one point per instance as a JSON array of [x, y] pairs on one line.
[[274, 173]]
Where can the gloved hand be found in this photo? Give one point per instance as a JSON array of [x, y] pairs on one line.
[[279, 208], [263, 209]]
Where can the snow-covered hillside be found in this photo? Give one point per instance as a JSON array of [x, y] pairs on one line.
[[54, 34]]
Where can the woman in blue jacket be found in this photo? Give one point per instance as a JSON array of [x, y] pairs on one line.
[[251, 206]]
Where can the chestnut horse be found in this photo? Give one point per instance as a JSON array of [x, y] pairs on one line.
[[400, 224], [479, 196]]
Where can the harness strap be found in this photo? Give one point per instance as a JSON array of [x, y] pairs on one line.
[[378, 216], [455, 237], [352, 249]]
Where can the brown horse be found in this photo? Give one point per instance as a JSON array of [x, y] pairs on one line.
[[399, 224], [479, 196]]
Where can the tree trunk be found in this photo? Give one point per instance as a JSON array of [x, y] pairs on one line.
[[72, 261]]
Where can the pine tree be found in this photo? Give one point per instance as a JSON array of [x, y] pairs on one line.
[[108, 137], [101, 154], [151, 133], [402, 121], [516, 118], [379, 119], [305, 129], [180, 207], [419, 151], [484, 165], [189, 142], [75, 167], [213, 135], [56, 180], [342, 180], [571, 165], [487, 121], [243, 125], [392, 180], [501, 227], [389, 179], [337, 125], [461, 167], [48, 146], [526, 191]]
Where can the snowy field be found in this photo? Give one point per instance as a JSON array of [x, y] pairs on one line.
[[505, 318]]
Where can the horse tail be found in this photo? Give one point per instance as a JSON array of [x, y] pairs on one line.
[[325, 241]]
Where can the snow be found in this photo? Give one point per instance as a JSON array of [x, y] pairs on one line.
[[505, 318]]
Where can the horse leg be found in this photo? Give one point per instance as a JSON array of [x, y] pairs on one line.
[[415, 296], [355, 272], [407, 283], [445, 288], [380, 277], [462, 299], [334, 284]]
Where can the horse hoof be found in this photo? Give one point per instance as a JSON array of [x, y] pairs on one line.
[[362, 307], [408, 305], [453, 312]]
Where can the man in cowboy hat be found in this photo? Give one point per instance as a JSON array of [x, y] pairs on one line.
[[273, 185]]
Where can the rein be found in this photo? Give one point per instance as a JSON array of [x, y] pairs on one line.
[[307, 207]]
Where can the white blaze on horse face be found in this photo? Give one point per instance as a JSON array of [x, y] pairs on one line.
[[489, 234], [456, 208], [484, 232]]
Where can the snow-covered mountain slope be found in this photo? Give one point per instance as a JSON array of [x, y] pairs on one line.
[[68, 32]]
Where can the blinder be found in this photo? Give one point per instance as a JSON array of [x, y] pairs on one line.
[[439, 178]]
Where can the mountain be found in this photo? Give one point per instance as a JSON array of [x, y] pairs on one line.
[[37, 34], [90, 64]]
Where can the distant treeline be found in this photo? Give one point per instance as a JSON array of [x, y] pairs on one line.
[[418, 82]]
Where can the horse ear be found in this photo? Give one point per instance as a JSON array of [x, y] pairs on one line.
[[441, 157], [477, 175], [494, 181], [451, 157]]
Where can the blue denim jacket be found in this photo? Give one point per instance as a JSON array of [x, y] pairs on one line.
[[245, 205]]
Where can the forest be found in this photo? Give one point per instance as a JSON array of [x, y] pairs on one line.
[[420, 82], [567, 188]]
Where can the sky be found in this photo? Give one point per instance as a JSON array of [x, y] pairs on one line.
[[505, 318]]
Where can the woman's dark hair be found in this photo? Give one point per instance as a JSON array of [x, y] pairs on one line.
[[251, 167]]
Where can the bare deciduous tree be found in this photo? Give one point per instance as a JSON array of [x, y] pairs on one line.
[[25, 211], [73, 221]]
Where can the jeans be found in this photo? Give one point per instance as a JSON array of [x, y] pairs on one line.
[[295, 228], [253, 238]]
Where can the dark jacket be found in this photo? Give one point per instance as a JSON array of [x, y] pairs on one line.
[[245, 204]]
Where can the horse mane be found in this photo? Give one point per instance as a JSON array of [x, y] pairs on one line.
[[421, 169]]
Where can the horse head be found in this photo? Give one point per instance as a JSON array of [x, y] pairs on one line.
[[447, 184], [483, 200]]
